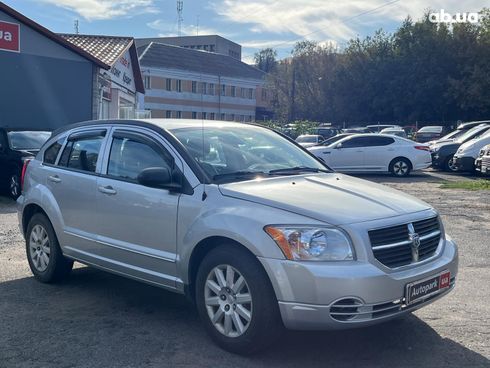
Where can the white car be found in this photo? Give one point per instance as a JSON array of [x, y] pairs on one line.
[[375, 153], [309, 140], [394, 131], [464, 158]]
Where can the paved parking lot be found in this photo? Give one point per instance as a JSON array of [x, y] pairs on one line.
[[96, 319]]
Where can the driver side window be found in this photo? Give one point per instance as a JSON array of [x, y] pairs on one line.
[[130, 155]]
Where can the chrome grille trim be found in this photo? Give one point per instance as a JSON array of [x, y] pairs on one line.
[[407, 242]]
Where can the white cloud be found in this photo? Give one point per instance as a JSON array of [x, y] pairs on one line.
[[322, 20], [167, 29], [106, 9]]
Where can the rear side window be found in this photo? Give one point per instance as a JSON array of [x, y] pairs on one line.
[[380, 141], [82, 153], [52, 151], [130, 156]]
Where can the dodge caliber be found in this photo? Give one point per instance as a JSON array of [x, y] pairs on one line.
[[258, 232]]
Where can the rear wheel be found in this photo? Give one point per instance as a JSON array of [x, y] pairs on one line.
[[400, 167], [236, 301], [449, 164], [44, 254]]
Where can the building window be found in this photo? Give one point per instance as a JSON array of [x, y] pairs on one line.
[[232, 117], [223, 90], [204, 85], [211, 89], [250, 93], [204, 115], [233, 91], [179, 114], [168, 114], [194, 115], [211, 48], [168, 84], [179, 85], [250, 118], [212, 116], [147, 82], [194, 87], [222, 116], [242, 92]]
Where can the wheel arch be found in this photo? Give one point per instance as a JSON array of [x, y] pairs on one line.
[[29, 211]]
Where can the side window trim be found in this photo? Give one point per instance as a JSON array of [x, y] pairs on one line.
[[86, 132]]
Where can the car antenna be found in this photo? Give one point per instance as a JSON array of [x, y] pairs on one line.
[[204, 194]]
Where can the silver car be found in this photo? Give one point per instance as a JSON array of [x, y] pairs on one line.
[[253, 228]]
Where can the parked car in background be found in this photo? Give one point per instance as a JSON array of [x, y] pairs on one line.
[[482, 162], [464, 158], [394, 131], [308, 140], [375, 153], [379, 127], [429, 133], [326, 132], [357, 130], [258, 242], [15, 147], [443, 153], [459, 131], [336, 138]]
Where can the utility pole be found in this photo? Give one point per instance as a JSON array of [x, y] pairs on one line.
[[76, 26], [197, 25], [180, 8]]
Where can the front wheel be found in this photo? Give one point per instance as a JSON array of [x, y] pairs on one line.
[[236, 302], [14, 186], [400, 167], [449, 164]]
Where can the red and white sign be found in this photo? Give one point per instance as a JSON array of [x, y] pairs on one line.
[[9, 36]]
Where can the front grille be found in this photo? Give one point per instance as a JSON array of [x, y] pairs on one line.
[[397, 246]]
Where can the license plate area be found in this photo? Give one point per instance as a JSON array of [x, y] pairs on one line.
[[421, 289]]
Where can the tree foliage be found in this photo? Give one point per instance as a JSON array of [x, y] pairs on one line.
[[423, 72]]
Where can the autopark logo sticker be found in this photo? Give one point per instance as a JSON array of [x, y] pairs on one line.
[[9, 36]]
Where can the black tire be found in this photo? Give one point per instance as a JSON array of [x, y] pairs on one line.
[[400, 167], [265, 323], [14, 186], [448, 165], [58, 266]]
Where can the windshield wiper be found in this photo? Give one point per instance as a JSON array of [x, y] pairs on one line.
[[238, 175], [298, 170]]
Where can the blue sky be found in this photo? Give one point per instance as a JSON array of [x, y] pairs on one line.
[[254, 24]]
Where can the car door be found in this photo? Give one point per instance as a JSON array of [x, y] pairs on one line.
[[72, 182], [378, 153], [347, 155], [137, 225]]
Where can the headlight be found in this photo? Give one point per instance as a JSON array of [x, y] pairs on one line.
[[435, 149], [311, 243]]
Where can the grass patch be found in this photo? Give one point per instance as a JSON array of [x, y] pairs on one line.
[[481, 184]]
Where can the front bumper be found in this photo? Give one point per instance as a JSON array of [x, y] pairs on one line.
[[464, 163], [311, 293]]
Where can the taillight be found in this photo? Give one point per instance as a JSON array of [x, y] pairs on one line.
[[422, 148], [23, 174]]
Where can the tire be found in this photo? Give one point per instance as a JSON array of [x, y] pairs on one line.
[[448, 165], [14, 186], [44, 254], [400, 167], [264, 325]]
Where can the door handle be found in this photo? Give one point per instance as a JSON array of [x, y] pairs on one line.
[[107, 190], [326, 152], [54, 178]]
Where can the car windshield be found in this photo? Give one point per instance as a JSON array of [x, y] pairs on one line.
[[430, 129], [455, 134], [307, 139], [240, 152], [472, 133], [26, 140]]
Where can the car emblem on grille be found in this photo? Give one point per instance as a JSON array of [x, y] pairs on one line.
[[414, 238]]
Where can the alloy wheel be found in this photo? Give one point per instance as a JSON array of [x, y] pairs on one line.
[[14, 186], [400, 168], [39, 248], [451, 166], [228, 300]]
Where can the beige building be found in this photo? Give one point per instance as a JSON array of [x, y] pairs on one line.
[[191, 84]]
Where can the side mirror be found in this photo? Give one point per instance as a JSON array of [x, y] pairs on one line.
[[338, 146], [159, 177]]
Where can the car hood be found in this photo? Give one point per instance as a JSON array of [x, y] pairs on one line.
[[333, 198], [447, 145]]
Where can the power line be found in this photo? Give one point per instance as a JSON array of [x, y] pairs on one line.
[[301, 37]]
